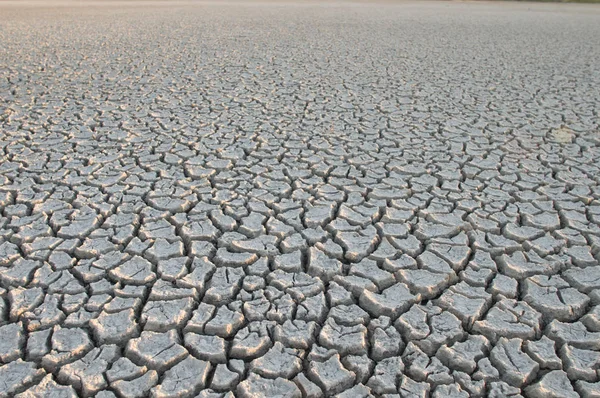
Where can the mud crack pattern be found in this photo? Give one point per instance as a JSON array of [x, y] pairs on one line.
[[299, 200]]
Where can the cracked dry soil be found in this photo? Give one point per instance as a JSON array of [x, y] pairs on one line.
[[256, 199]]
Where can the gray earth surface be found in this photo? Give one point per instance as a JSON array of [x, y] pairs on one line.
[[254, 199]]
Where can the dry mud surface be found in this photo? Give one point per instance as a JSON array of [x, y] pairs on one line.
[[299, 200]]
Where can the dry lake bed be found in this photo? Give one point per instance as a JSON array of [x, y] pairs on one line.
[[299, 199]]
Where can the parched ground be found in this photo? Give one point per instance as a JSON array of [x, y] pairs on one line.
[[280, 199]]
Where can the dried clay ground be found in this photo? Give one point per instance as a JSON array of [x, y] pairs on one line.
[[280, 199]]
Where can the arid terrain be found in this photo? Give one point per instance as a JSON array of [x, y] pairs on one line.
[[299, 199]]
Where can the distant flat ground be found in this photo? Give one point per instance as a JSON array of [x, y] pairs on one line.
[[86, 3], [299, 199], [452, 7], [583, 6]]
